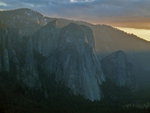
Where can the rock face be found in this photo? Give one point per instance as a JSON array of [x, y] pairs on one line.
[[79, 65], [68, 52], [117, 68], [5, 60], [4, 56], [26, 21]]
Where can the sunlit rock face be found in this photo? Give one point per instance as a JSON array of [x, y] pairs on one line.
[[117, 68]]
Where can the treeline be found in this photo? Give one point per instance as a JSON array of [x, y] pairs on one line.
[[16, 98]]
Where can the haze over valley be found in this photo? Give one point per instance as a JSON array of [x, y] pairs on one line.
[[74, 56]]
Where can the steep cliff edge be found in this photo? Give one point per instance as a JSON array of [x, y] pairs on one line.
[[81, 69], [68, 52], [117, 68]]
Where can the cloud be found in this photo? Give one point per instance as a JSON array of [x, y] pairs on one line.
[[3, 4], [81, 1], [98, 11]]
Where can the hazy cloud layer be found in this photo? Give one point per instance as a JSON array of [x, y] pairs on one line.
[[96, 11]]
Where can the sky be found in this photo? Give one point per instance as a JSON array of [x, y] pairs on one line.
[[124, 13], [133, 14], [142, 33]]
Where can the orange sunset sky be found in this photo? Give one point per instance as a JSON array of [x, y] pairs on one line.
[[132, 16]]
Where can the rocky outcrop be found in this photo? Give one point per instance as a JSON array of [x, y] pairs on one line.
[[68, 52], [79, 67], [117, 68], [5, 60], [45, 39], [25, 20], [4, 56]]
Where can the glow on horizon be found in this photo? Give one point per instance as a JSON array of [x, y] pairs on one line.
[[142, 33]]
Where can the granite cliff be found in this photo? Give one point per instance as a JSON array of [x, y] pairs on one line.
[[68, 52]]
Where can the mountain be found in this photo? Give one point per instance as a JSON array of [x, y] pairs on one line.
[[52, 45], [109, 40], [117, 68], [26, 21], [76, 51], [137, 50], [68, 52]]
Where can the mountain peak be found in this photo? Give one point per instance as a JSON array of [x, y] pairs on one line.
[[23, 9], [25, 20]]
